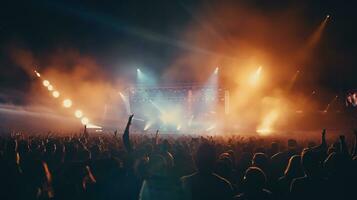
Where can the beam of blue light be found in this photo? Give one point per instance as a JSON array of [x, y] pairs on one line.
[[144, 78]]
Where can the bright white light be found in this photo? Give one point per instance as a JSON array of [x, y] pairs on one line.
[[138, 70], [216, 70], [37, 74], [147, 125], [67, 103], [268, 121], [255, 77], [259, 70], [46, 83], [78, 113], [85, 120], [178, 127], [266, 131], [50, 88], [55, 94], [94, 126]]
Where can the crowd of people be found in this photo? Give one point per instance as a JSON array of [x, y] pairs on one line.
[[130, 167]]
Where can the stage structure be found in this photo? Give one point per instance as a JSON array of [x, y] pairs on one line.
[[185, 107]]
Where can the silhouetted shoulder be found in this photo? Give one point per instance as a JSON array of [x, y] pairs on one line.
[[297, 183], [213, 177], [221, 179], [187, 178]]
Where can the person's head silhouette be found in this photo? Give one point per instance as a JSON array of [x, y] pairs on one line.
[[254, 179], [310, 163], [205, 158], [293, 169], [260, 160]]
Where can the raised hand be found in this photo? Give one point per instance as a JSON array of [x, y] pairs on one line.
[[157, 137], [130, 119], [126, 138], [129, 122]]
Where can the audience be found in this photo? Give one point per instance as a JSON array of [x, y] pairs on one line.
[[134, 166]]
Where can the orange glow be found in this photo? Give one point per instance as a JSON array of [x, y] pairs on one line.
[[254, 80], [240, 55], [94, 126], [266, 126]]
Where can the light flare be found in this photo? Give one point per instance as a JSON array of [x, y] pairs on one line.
[[45, 83], [78, 113], [50, 88], [67, 103], [85, 121], [147, 125], [55, 94], [254, 79], [266, 127], [37, 74]]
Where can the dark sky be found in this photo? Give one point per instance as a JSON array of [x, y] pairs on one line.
[[149, 31]]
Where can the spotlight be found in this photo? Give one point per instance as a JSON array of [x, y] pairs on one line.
[[327, 16], [67, 103], [263, 132], [55, 94], [138, 70], [216, 70], [78, 113], [147, 125], [258, 71], [95, 127], [37, 74], [254, 79], [46, 83], [50, 87], [266, 126], [85, 120]]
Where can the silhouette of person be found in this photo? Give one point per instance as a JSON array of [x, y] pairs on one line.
[[204, 184]]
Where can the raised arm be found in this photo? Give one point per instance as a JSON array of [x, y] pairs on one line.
[[126, 138], [323, 145], [157, 138], [85, 133], [323, 139]]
